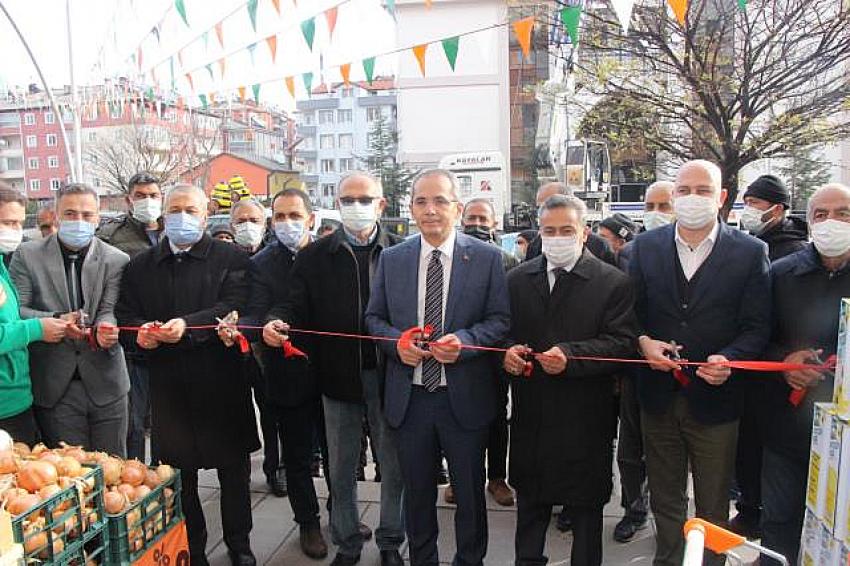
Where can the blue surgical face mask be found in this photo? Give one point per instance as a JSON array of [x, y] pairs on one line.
[[183, 229], [290, 233], [76, 234]]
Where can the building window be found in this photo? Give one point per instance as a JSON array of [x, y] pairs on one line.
[[32, 141], [55, 184], [92, 136], [373, 113], [53, 162], [326, 141], [35, 185], [343, 116], [49, 118], [308, 144], [32, 163], [326, 117], [328, 189], [307, 119], [51, 140], [29, 119], [328, 166], [115, 110], [346, 93], [346, 164], [346, 141]]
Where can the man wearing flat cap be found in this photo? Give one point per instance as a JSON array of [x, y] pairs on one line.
[[618, 230], [765, 216]]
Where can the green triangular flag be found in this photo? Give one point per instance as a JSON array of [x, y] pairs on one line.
[[308, 28], [208, 67], [206, 39], [149, 93], [450, 47], [181, 9], [251, 49], [391, 7], [252, 13], [369, 68], [570, 16], [256, 89], [308, 83], [742, 4], [204, 102]]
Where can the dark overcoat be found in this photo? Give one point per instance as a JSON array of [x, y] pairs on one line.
[[561, 426], [202, 412]]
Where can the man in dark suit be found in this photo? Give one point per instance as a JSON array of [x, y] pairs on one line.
[[564, 303], [702, 291], [442, 398]]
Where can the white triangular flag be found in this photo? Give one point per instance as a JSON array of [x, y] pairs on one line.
[[623, 9]]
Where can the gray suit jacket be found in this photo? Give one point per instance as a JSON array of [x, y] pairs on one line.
[[38, 272]]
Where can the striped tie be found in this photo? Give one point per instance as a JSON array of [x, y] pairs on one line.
[[431, 368]]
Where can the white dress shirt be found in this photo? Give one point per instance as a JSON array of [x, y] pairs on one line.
[[692, 258], [447, 249], [550, 271]]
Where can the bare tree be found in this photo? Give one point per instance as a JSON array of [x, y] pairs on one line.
[[729, 85], [167, 150]]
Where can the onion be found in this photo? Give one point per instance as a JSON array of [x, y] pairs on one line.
[[69, 466], [49, 491], [36, 541], [111, 471], [78, 454], [127, 490], [37, 474], [21, 449], [50, 456], [38, 449], [12, 493], [165, 472], [22, 503], [142, 491], [132, 475], [114, 502], [8, 462], [152, 479]]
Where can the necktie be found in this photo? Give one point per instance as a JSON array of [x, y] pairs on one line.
[[559, 277], [431, 368], [74, 283]]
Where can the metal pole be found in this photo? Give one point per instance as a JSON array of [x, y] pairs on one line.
[[75, 103], [53, 105]]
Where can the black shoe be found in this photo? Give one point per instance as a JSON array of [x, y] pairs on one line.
[[316, 468], [365, 531], [242, 558], [313, 543], [377, 477], [627, 527], [343, 560], [564, 523], [391, 558], [746, 525], [361, 474], [277, 483]]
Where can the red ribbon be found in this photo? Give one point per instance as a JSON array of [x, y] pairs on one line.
[[290, 351]]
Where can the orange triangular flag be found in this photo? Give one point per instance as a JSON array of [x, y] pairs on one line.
[[428, 3], [290, 86], [221, 66], [276, 4], [180, 58], [680, 8], [522, 29], [345, 71], [180, 103], [211, 96], [241, 90], [219, 32], [330, 16], [272, 43], [419, 52], [190, 81]]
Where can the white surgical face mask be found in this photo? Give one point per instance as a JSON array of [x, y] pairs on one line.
[[10, 239], [561, 251], [290, 234], [248, 234], [357, 217], [655, 219], [831, 237], [147, 210], [694, 211], [751, 219]]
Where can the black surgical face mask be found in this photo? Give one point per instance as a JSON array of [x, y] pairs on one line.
[[481, 232]]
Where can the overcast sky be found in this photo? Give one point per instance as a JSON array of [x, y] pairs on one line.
[[107, 32]]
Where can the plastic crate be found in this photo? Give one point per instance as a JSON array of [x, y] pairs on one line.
[[134, 531], [62, 517]]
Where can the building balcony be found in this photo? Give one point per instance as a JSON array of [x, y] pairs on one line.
[[317, 104], [306, 130], [378, 100], [306, 153], [12, 174], [11, 151], [310, 177]]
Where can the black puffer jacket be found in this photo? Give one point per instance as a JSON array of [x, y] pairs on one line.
[[787, 237]]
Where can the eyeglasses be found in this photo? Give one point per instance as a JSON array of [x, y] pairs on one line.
[[347, 201], [438, 202]]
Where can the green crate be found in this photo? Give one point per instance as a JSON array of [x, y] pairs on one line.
[[91, 543], [151, 510]]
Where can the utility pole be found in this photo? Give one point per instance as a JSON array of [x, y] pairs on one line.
[[53, 105], [75, 102]]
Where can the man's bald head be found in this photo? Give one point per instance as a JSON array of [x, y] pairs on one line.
[[831, 201], [659, 197], [361, 183]]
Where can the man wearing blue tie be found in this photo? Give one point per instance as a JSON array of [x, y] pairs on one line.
[[440, 398]]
